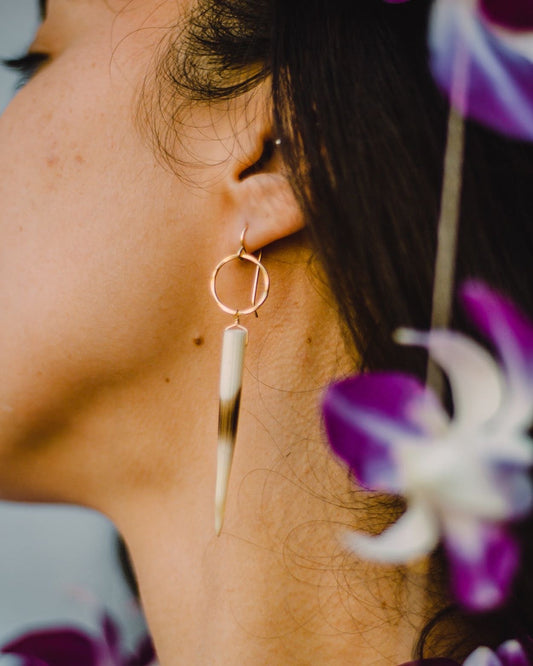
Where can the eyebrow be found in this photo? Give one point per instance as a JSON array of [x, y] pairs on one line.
[[43, 6]]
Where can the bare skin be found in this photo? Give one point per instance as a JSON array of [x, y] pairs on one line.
[[110, 352]]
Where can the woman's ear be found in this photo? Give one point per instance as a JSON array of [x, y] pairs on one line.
[[264, 198]]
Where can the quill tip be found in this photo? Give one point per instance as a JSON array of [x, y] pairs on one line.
[[225, 457], [219, 520]]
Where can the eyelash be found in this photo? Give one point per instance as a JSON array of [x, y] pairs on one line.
[[26, 66]]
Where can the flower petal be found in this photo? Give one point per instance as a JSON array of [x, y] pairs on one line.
[[512, 14], [144, 654], [475, 378], [413, 535], [482, 657], [58, 647], [111, 633], [514, 484], [511, 653], [483, 559], [508, 448], [482, 74], [461, 483], [520, 43], [367, 416], [512, 334]]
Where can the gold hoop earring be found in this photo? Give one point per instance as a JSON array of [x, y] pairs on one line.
[[234, 344]]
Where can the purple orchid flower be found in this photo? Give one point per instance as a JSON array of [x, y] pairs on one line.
[[66, 646], [464, 478], [482, 57], [510, 653]]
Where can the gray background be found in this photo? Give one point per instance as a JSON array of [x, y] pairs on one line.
[[57, 565], [18, 21]]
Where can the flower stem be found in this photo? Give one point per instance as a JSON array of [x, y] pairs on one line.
[[450, 209]]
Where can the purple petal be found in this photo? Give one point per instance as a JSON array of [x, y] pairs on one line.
[[475, 378], [483, 559], [60, 647], [483, 75], [367, 415], [512, 14], [511, 653], [412, 536], [482, 657], [512, 334]]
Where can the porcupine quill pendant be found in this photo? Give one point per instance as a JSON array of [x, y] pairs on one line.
[[231, 372]]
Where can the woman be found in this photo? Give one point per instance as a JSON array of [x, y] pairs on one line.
[[143, 151]]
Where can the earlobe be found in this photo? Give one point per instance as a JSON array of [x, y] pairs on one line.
[[266, 203]]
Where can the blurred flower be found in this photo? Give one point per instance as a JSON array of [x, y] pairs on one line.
[[482, 57], [67, 646], [464, 478], [510, 653]]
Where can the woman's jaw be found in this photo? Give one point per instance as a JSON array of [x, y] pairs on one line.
[[107, 252]]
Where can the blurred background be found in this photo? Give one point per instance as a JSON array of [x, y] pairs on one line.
[[58, 565], [18, 21]]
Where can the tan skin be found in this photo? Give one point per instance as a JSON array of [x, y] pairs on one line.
[[110, 350]]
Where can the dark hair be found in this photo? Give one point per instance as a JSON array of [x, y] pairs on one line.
[[364, 133]]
